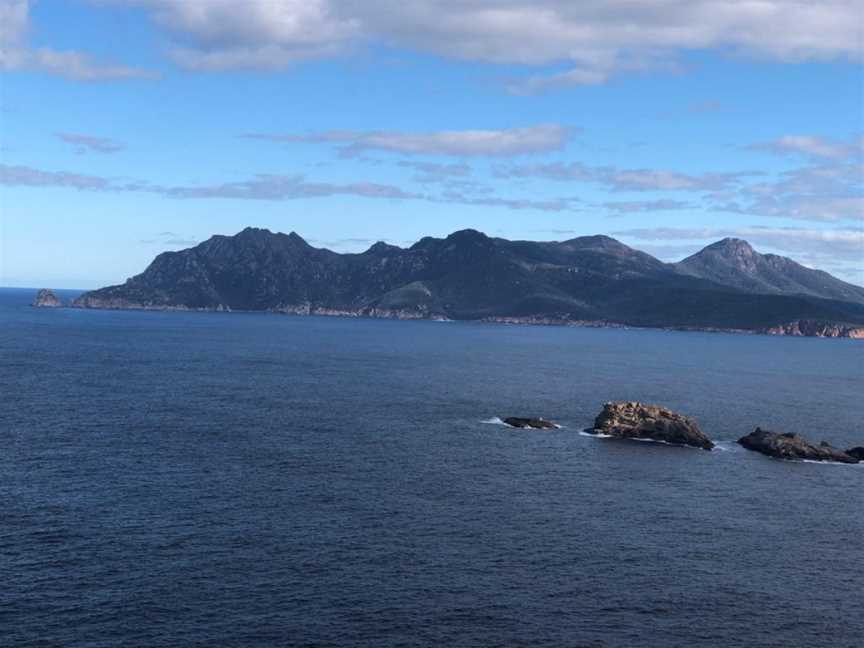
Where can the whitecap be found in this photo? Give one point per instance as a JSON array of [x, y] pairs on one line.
[[610, 436], [597, 436]]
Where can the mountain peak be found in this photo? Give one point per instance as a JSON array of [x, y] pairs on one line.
[[382, 247], [732, 245], [253, 231], [733, 262], [467, 235]]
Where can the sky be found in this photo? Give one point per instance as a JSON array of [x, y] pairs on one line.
[[131, 127]]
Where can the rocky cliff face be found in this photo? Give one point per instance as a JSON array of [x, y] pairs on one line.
[[467, 275], [815, 328], [46, 298]]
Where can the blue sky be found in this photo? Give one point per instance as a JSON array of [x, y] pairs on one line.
[[134, 126]]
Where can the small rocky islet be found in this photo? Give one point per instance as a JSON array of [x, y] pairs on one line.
[[786, 445], [533, 423], [634, 420], [46, 298], [643, 422]]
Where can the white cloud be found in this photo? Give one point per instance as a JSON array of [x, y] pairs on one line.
[[16, 53], [594, 39], [504, 142]]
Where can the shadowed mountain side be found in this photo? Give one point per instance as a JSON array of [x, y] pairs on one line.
[[732, 262], [466, 275]]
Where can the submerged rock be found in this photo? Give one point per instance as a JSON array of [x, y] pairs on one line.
[[793, 446], [632, 420], [46, 298], [535, 423]]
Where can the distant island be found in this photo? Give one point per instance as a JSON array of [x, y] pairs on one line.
[[590, 280]]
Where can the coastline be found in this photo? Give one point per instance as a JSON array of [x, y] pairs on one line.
[[798, 328]]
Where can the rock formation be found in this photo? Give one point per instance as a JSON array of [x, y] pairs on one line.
[[856, 453], [816, 328], [632, 420], [46, 298], [793, 446], [535, 423]]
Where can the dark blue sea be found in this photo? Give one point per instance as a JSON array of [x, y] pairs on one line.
[[188, 479]]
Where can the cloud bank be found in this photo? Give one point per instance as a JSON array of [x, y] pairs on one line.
[[592, 39]]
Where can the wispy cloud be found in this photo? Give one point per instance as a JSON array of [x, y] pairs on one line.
[[170, 239], [91, 143], [820, 192], [624, 179], [542, 138], [639, 206], [813, 147], [23, 176], [282, 187], [270, 187], [434, 172], [554, 205], [707, 106], [17, 54]]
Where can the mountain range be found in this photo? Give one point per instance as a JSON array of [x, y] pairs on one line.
[[470, 276]]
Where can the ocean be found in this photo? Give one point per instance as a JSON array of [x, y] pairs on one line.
[[203, 479]]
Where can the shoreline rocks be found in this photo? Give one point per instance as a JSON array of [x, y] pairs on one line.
[[634, 420], [789, 446], [533, 423], [817, 328], [46, 298]]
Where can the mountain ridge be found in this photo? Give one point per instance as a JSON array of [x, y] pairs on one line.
[[469, 275], [733, 262]]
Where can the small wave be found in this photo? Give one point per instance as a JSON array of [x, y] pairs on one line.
[[724, 446], [596, 436], [609, 436]]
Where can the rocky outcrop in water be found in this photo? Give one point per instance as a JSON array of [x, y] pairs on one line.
[[816, 328], [535, 423], [786, 445], [46, 298], [633, 420], [856, 453]]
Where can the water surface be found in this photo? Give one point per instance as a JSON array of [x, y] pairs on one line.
[[183, 479]]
